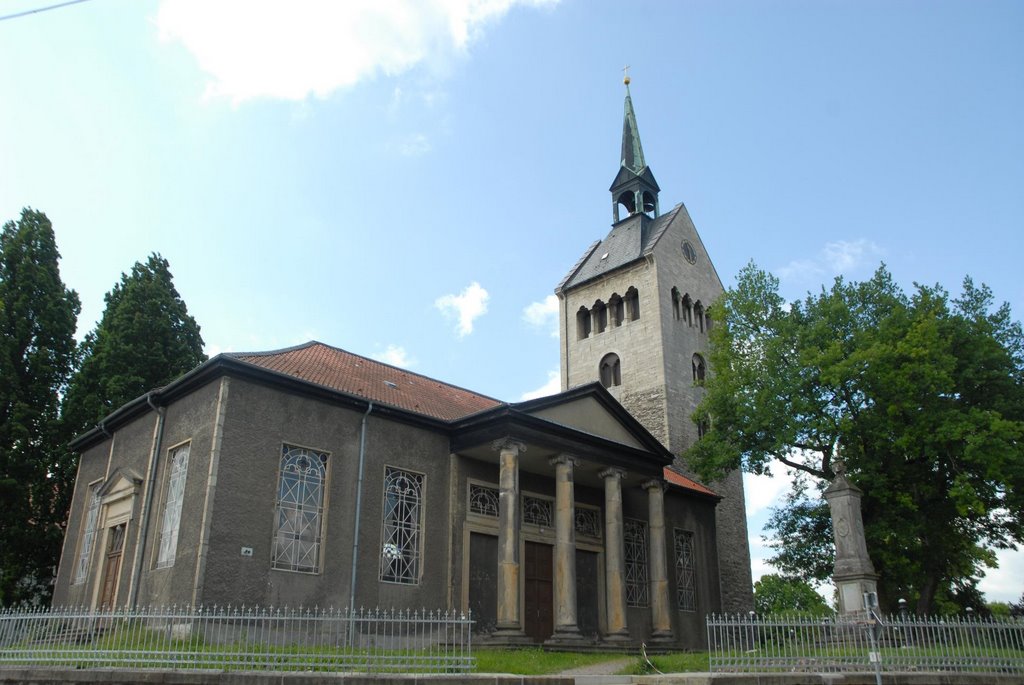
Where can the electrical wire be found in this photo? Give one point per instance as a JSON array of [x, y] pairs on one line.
[[40, 9]]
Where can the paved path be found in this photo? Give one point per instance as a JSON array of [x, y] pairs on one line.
[[601, 668]]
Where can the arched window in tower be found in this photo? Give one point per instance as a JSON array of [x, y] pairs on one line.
[[687, 309], [698, 314], [707, 319], [600, 317], [703, 426], [632, 302], [615, 311], [700, 369], [611, 370], [677, 306], [582, 323]]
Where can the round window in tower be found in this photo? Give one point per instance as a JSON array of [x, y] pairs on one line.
[[689, 252]]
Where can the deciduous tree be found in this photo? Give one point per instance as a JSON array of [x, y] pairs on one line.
[[924, 392], [775, 594]]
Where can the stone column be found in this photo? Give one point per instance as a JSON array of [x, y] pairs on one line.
[[661, 621], [566, 629], [509, 620], [614, 556]]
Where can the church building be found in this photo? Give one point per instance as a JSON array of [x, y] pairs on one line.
[[314, 476]]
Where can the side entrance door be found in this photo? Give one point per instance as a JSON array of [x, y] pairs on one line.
[[112, 566], [538, 612]]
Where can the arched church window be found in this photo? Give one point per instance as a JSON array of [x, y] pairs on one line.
[[600, 316], [687, 309], [632, 302], [698, 314], [699, 369], [300, 508], [677, 305], [611, 370], [703, 426], [707, 319], [615, 311], [582, 323]]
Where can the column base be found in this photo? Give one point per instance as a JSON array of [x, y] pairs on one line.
[[661, 637], [617, 637], [565, 636], [510, 636]]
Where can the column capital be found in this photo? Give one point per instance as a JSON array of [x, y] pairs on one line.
[[508, 443], [612, 472], [569, 459], [652, 484]]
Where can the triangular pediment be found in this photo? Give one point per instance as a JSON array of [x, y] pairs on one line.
[[120, 481], [588, 415]]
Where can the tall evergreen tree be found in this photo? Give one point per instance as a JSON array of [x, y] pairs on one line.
[[145, 339], [37, 355]]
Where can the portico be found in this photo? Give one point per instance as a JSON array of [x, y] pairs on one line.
[[560, 562]]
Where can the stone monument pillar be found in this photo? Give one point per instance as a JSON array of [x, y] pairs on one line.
[[854, 575]]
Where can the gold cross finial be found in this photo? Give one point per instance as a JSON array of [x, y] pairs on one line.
[[625, 74]]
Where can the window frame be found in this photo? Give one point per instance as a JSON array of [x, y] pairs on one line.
[[637, 570], [685, 571], [418, 559], [90, 527], [169, 477], [322, 508]]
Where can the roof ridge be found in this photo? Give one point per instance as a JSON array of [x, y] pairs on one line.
[[371, 360]]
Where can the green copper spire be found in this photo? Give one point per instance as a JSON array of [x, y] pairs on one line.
[[632, 151]]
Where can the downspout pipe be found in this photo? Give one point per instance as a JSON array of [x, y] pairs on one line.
[[359, 509], [147, 505]]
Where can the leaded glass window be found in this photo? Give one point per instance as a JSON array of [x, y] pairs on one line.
[[171, 518], [635, 534], [403, 521], [88, 535], [538, 512], [483, 500], [588, 522], [300, 510], [686, 589]]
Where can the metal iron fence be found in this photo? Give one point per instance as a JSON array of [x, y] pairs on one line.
[[242, 638], [773, 644]]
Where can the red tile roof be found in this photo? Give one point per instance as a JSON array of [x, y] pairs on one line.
[[373, 380], [676, 478]]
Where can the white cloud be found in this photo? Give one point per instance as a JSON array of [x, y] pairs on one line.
[[290, 50], [414, 146], [543, 315], [396, 356], [836, 257], [1003, 584], [553, 386], [763, 492], [465, 307]]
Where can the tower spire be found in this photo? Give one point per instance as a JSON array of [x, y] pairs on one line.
[[632, 150], [634, 188]]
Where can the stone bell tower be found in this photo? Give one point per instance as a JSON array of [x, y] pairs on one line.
[[633, 314]]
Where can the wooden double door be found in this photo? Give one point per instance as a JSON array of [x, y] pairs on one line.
[[539, 596]]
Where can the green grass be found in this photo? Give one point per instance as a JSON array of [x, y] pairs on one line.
[[674, 662], [535, 661]]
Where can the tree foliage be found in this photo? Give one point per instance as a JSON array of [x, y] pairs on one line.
[[924, 392], [145, 338], [37, 354], [775, 594]]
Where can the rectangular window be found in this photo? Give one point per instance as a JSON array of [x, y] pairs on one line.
[[686, 588], [88, 536], [403, 521], [298, 529], [635, 534], [168, 544]]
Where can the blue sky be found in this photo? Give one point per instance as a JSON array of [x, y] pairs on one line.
[[410, 180]]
